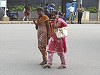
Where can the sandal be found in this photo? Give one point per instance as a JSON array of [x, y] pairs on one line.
[[43, 63], [62, 67], [47, 66]]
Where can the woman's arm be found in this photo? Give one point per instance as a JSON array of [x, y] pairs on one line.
[[63, 24], [60, 23], [48, 27], [35, 21]]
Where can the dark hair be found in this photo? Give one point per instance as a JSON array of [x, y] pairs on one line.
[[55, 12], [72, 4], [40, 9], [80, 4]]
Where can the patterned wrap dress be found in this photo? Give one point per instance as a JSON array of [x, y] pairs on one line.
[[42, 35]]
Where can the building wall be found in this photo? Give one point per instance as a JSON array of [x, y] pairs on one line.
[[33, 2], [86, 3], [90, 3]]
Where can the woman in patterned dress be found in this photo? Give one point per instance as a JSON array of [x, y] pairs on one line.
[[55, 44], [42, 23]]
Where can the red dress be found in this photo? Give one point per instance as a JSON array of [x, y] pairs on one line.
[[55, 44]]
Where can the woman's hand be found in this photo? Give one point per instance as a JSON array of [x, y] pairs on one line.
[[35, 21]]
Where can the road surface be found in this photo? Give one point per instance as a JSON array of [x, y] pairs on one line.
[[19, 54]]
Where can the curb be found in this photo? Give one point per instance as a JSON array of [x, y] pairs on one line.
[[31, 22], [16, 22]]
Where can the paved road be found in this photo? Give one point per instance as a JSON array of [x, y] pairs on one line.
[[19, 54]]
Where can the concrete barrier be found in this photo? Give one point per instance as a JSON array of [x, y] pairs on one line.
[[85, 16]]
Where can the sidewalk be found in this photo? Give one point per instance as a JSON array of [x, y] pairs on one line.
[[31, 22]]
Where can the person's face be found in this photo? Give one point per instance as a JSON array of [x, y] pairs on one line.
[[39, 13], [54, 16]]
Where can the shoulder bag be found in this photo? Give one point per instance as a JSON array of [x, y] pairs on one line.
[[61, 32]]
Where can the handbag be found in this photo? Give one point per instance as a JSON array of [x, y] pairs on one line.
[[36, 27], [61, 32]]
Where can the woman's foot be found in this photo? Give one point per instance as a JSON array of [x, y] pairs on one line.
[[62, 67], [43, 63], [47, 66]]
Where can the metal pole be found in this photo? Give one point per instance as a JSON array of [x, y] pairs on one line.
[[46, 1], [26, 2], [98, 13], [64, 6], [5, 9], [79, 2]]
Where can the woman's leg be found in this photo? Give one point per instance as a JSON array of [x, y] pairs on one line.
[[44, 55], [24, 18], [42, 43], [63, 62], [27, 18], [50, 58], [49, 62]]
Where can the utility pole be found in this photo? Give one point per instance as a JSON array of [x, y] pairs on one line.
[[3, 3], [64, 6], [79, 2], [98, 13], [5, 9], [45, 2], [26, 2]]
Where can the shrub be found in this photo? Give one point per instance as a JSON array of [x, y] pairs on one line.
[[69, 0], [59, 8], [34, 9], [19, 8], [92, 9]]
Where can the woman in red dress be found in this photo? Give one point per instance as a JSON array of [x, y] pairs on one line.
[[55, 44]]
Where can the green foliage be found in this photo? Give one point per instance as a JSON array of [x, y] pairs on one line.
[[33, 9], [69, 1], [92, 9], [19, 8], [59, 8]]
